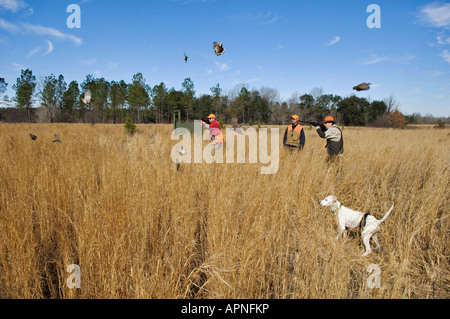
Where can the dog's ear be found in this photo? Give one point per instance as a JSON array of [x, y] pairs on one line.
[[333, 198]]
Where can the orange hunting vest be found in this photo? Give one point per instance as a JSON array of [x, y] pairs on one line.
[[293, 136], [217, 138]]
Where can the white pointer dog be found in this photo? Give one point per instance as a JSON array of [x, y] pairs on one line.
[[348, 218]]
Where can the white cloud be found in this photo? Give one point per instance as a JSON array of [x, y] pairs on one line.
[[436, 14], [41, 30], [88, 62], [222, 66], [50, 47], [112, 65], [335, 40], [435, 74], [272, 20], [373, 60], [262, 18], [38, 49], [8, 26], [244, 83], [33, 52], [406, 59], [26, 28], [17, 66], [442, 40], [13, 5], [446, 55], [253, 80]]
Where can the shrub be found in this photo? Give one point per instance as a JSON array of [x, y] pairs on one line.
[[397, 119], [130, 128]]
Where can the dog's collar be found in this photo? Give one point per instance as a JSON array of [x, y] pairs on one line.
[[334, 211]]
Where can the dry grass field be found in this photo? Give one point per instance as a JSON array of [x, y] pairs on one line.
[[116, 206]]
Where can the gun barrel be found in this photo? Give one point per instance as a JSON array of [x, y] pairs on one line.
[[309, 122]]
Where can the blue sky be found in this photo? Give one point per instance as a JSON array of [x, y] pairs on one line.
[[291, 46]]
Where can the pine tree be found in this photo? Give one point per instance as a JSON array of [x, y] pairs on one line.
[[24, 88], [130, 128]]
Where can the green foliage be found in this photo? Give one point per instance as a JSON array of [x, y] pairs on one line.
[[222, 124], [118, 95], [49, 91], [130, 128], [216, 91], [113, 101], [52, 95], [99, 105], [189, 93], [71, 100], [24, 88], [316, 108], [138, 96], [353, 110], [203, 106], [3, 85], [375, 110], [160, 103]]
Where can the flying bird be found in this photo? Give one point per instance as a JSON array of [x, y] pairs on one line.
[[179, 166], [236, 125], [87, 97], [362, 87], [218, 48], [181, 151], [56, 138], [185, 57], [33, 137]]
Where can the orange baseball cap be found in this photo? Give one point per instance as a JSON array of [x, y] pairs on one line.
[[210, 116], [328, 119], [295, 117]]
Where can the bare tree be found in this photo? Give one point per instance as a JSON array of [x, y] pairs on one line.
[[272, 96], [316, 93], [391, 104]]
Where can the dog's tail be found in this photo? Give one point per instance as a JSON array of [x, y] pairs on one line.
[[387, 214]]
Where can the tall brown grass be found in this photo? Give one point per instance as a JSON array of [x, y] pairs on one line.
[[116, 206]]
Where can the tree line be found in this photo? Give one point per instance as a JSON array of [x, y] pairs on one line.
[[113, 102]]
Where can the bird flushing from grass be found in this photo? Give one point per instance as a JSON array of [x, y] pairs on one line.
[[87, 97], [56, 139], [218, 48], [362, 87]]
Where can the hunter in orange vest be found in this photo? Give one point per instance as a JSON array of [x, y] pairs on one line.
[[294, 137], [216, 134]]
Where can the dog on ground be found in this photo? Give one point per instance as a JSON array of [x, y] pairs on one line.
[[348, 219]]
